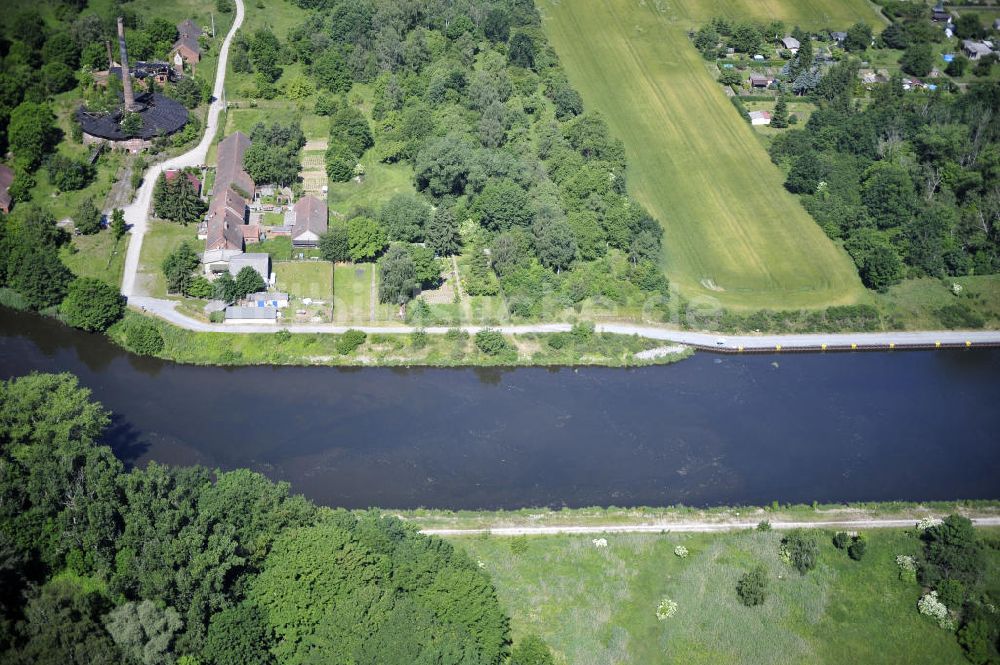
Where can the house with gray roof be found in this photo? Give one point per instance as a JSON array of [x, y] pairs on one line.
[[229, 166], [261, 262], [310, 221], [975, 50]]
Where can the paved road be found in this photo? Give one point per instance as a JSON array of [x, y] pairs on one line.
[[137, 213], [166, 309], [675, 527]]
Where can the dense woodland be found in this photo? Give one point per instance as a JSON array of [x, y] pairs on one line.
[[510, 170], [100, 564], [909, 181]]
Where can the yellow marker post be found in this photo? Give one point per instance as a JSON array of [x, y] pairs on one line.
[[823, 346], [937, 345], [740, 349], [968, 343], [892, 345], [777, 347], [854, 346]]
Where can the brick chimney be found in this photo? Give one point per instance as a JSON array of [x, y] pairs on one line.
[[130, 104]]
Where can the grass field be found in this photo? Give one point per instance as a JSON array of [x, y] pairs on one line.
[[914, 302], [161, 238], [352, 292], [96, 256], [305, 279], [380, 183], [732, 232], [597, 606]]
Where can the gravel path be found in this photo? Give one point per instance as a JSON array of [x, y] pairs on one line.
[[691, 527], [166, 309], [137, 213]]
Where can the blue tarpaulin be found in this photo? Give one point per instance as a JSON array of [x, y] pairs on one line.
[[947, 57]]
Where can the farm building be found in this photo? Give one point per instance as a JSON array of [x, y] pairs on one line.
[[6, 179], [229, 166], [760, 80], [259, 262], [235, 314], [975, 50], [760, 118], [310, 221], [940, 15]]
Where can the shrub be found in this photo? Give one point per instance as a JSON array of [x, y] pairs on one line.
[[582, 331], [531, 650], [519, 545], [841, 540], [800, 550], [958, 315], [492, 342], [666, 609], [951, 593], [764, 525], [930, 606], [418, 339], [143, 337], [557, 341], [907, 567], [681, 551], [283, 335], [752, 587], [856, 550], [218, 316], [350, 341]]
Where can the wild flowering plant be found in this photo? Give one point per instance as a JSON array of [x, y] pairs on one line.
[[928, 522], [681, 551], [666, 609], [907, 567], [929, 605], [600, 542]]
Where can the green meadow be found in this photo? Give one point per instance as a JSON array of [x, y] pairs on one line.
[[732, 233], [597, 606]]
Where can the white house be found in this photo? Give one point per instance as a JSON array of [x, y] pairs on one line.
[[263, 299], [760, 118]]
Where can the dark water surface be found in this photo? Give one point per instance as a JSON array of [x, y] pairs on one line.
[[709, 430]]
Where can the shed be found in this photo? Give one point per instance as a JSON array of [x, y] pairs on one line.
[[975, 50], [791, 43], [760, 81], [264, 299], [236, 314], [760, 118], [838, 36]]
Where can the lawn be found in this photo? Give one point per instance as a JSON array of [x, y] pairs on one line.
[[381, 181], [352, 292], [305, 279], [732, 233], [96, 256], [160, 239], [597, 606]]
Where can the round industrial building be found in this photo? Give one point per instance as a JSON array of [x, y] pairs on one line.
[[161, 116]]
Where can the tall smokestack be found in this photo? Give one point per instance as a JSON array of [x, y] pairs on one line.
[[130, 104]]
